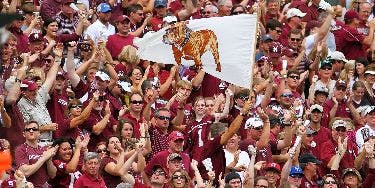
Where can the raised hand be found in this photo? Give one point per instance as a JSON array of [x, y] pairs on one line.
[[259, 165], [262, 114], [194, 165], [107, 109], [342, 145]]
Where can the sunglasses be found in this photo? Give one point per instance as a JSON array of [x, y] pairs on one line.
[[341, 88], [279, 31], [164, 118], [75, 106], [136, 102], [206, 12], [101, 151], [237, 13], [244, 98], [330, 182], [258, 128], [295, 39], [296, 176], [178, 177], [31, 129], [312, 134], [160, 172], [294, 77], [288, 95], [341, 129]]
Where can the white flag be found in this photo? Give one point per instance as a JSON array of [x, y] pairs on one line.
[[223, 45]]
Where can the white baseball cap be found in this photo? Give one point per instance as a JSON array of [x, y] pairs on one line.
[[294, 12], [102, 75], [253, 122], [337, 55], [339, 123]]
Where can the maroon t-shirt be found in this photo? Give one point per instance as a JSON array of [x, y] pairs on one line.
[[188, 112], [93, 119], [329, 149], [14, 134], [342, 111], [163, 76], [22, 40], [57, 106], [86, 181], [308, 184], [123, 70], [110, 180], [161, 159], [63, 178], [81, 89], [156, 23], [263, 154], [197, 136], [136, 123], [349, 41], [116, 42], [322, 136], [283, 39], [65, 131], [27, 155]]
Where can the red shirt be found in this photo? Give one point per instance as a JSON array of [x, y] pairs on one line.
[[27, 155], [161, 159], [93, 119], [323, 135], [163, 76], [123, 70], [109, 179], [349, 42], [188, 112], [212, 86], [283, 39], [116, 42], [198, 135], [156, 23], [263, 154], [63, 178], [57, 106], [159, 140], [312, 12], [14, 134], [64, 130], [308, 184], [329, 149], [86, 181], [342, 111]]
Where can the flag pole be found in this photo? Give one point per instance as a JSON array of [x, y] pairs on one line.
[[254, 49]]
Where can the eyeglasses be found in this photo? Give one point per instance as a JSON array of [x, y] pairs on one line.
[[287, 95], [237, 13], [312, 134], [341, 129], [330, 182], [294, 77], [295, 39], [206, 12], [296, 176], [244, 97], [160, 172], [136, 102], [31, 129], [164, 118], [178, 177], [75, 106], [258, 128], [101, 151]]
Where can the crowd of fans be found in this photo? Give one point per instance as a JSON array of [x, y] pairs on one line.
[[79, 108]]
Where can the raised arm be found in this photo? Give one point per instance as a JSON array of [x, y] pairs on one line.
[[100, 126], [7, 122], [51, 75], [265, 136], [29, 170], [75, 122]]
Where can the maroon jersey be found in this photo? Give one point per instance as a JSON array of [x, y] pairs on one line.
[[263, 154], [65, 131], [63, 178], [188, 112], [159, 140], [322, 136], [86, 181], [342, 111], [57, 106], [212, 86], [109, 179], [27, 155], [198, 136], [116, 42]]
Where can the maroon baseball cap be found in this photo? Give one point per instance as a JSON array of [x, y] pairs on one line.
[[273, 166], [122, 18], [175, 135], [289, 52], [29, 85], [275, 50], [35, 37], [351, 14]]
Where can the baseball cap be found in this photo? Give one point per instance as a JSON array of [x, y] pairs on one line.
[[289, 52], [175, 135], [316, 107], [253, 122], [104, 8], [321, 89], [61, 75], [351, 14], [29, 85], [273, 166], [295, 170], [369, 109], [339, 123], [370, 72], [294, 12], [160, 3], [340, 83], [35, 37], [267, 37], [102, 76], [6, 18], [326, 63], [308, 158], [353, 171], [122, 18], [126, 86], [337, 55], [231, 176], [275, 50], [174, 156]]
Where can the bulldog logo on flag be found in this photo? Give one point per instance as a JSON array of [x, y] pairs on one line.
[[221, 46], [191, 45]]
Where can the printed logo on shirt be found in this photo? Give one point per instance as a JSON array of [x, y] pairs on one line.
[[62, 102], [34, 157]]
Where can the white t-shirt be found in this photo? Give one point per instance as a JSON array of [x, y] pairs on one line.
[[98, 30], [243, 159], [363, 134]]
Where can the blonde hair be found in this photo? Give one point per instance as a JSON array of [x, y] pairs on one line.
[[184, 84], [129, 55], [348, 67], [312, 55]]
